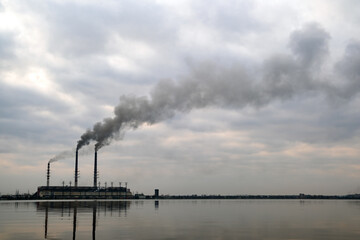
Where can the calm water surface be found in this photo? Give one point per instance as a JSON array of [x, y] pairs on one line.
[[181, 219]]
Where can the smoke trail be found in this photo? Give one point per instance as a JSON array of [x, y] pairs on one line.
[[282, 77], [71, 154], [167, 98], [62, 155]]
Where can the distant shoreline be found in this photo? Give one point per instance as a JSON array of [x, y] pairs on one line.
[[141, 196]]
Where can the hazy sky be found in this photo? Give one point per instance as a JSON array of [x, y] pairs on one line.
[[226, 97]]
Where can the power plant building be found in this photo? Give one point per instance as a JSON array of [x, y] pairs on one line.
[[82, 192]]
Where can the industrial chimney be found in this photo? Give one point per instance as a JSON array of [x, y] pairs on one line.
[[48, 175], [95, 169], [76, 168]]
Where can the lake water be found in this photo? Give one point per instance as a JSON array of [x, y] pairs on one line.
[[180, 219]]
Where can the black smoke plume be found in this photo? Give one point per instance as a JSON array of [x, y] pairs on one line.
[[280, 78]]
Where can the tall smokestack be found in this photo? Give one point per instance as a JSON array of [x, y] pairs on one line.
[[95, 169], [76, 168], [48, 175]]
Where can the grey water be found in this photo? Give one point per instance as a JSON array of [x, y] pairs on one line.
[[180, 219]]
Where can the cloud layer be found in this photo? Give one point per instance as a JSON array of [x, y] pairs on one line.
[[211, 84], [242, 96]]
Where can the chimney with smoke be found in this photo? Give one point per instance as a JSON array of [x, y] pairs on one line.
[[95, 169], [76, 168], [48, 175]]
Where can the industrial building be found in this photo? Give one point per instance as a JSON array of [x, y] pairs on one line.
[[82, 192]]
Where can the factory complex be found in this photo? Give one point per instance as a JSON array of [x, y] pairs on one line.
[[82, 192]]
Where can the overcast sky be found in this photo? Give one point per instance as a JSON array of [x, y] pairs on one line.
[[210, 97]]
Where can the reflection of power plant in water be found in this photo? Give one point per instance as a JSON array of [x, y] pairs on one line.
[[81, 207], [82, 192], [46, 220], [74, 223], [94, 223]]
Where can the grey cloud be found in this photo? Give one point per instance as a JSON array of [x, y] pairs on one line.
[[18, 115], [288, 75], [75, 30], [7, 45], [280, 78], [84, 35], [99, 83], [316, 122], [20, 98], [349, 70], [310, 44], [78, 29]]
